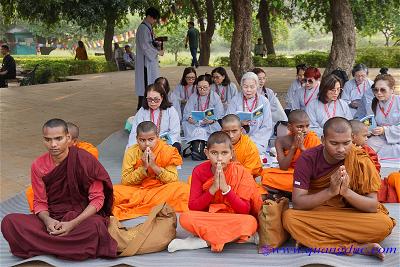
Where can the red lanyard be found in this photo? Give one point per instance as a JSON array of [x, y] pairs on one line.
[[222, 94], [327, 110], [389, 108], [358, 88], [159, 118], [305, 92], [205, 106], [252, 106]]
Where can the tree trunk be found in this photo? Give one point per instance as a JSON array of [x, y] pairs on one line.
[[240, 54], [176, 56], [205, 34], [343, 47], [263, 18], [387, 37], [108, 38]]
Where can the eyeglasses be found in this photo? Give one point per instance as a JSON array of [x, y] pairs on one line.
[[377, 90], [203, 88], [153, 100], [308, 81], [190, 77], [336, 89], [216, 77]]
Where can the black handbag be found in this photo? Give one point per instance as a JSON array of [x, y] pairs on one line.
[[196, 150]]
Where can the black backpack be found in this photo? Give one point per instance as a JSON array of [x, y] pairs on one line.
[[197, 150]]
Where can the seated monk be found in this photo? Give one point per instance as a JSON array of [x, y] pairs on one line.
[[244, 149], [73, 131], [73, 198], [360, 137], [334, 197], [149, 176], [224, 201], [289, 149]]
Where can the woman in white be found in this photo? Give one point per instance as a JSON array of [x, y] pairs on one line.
[[278, 114], [309, 90], [296, 84], [185, 88], [328, 104], [354, 89], [159, 110], [385, 139], [203, 99], [260, 129], [223, 86]]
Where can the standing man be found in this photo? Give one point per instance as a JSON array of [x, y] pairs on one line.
[[193, 37], [8, 68], [147, 51], [259, 48]]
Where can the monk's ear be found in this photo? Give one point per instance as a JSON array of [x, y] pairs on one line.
[[322, 140], [206, 152]]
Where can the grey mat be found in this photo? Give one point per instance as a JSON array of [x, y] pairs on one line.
[[111, 151]]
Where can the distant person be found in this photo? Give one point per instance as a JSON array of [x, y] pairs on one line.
[[129, 57], [147, 51], [80, 52], [193, 37], [296, 84], [259, 48], [8, 68], [119, 56]]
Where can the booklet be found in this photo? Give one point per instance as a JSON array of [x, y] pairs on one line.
[[206, 114], [166, 137], [369, 121], [250, 116]]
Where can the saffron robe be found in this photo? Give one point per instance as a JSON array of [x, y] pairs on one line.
[[283, 179], [67, 196], [210, 224], [336, 224], [81, 144], [141, 190]]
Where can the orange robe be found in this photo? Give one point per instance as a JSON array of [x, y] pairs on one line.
[[394, 181], [220, 224], [246, 153], [83, 145], [141, 190], [336, 224], [281, 179]]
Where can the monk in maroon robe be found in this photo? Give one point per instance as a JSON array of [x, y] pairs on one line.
[[73, 197]]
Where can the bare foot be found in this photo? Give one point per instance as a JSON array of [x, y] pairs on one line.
[[373, 249]]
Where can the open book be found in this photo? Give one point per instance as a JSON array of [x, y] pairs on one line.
[[166, 137], [206, 114], [250, 116], [369, 121]]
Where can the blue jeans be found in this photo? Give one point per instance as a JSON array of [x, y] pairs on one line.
[[193, 51]]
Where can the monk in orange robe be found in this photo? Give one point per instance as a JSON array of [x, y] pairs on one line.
[[244, 149], [360, 137], [149, 176], [334, 197], [289, 149], [73, 131], [224, 201]]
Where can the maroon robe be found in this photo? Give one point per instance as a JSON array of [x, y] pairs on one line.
[[67, 192]]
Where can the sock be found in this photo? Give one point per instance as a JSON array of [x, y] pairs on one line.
[[187, 243], [254, 239]]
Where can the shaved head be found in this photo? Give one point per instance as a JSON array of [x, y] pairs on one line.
[[231, 118], [219, 138], [337, 125], [298, 115], [73, 130], [54, 123], [146, 127], [357, 126]]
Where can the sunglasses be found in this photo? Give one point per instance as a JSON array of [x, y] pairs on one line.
[[308, 81], [377, 90], [153, 100]]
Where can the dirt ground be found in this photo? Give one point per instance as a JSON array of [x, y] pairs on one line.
[[98, 103]]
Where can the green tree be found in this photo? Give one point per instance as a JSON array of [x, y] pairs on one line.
[[176, 33]]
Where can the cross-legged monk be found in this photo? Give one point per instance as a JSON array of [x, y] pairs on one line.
[[360, 137], [73, 198], [73, 131], [244, 149], [223, 201], [334, 197], [289, 149], [149, 176]]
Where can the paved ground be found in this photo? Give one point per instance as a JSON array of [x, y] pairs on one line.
[[98, 103]]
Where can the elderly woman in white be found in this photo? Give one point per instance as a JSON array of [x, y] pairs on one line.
[[385, 139], [259, 129]]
